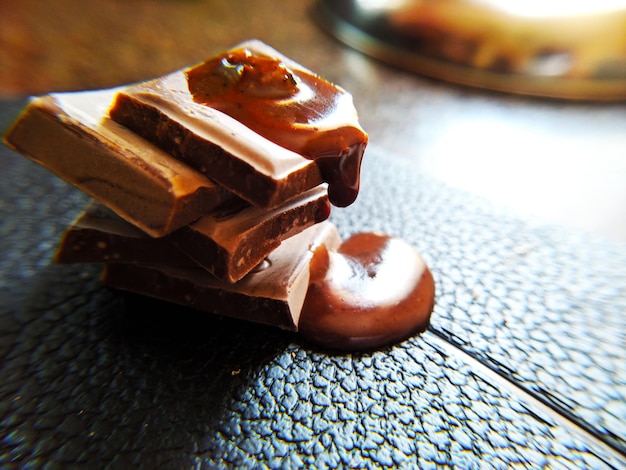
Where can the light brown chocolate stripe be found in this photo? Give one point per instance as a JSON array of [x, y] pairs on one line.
[[71, 135]]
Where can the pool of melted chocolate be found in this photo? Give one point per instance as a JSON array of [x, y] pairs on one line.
[[375, 290]]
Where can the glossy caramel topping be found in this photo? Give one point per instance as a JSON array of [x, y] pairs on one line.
[[291, 107], [374, 291]]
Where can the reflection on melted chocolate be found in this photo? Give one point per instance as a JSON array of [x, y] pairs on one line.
[[293, 108], [374, 291]]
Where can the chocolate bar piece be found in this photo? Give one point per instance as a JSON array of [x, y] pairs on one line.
[[272, 294], [99, 236], [228, 243], [255, 122], [71, 135]]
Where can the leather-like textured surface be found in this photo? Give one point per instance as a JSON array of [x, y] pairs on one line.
[[524, 362]]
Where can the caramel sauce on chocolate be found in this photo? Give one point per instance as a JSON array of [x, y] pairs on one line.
[[374, 291], [291, 107]]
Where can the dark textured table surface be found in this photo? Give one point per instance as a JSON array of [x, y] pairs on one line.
[[518, 206]]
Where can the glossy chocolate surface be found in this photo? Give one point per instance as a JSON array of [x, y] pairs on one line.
[[263, 173], [290, 106], [375, 290]]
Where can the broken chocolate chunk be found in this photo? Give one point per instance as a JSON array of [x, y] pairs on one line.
[[71, 135], [272, 295], [254, 121], [228, 243], [98, 235]]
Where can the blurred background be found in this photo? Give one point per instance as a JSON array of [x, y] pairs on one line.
[[563, 161], [524, 309]]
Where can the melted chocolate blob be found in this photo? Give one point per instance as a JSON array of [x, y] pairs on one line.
[[293, 108], [374, 291]]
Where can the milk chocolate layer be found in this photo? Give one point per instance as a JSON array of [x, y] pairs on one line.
[[246, 162], [71, 135], [228, 243], [272, 295]]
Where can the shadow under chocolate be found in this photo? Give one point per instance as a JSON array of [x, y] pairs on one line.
[[91, 369]]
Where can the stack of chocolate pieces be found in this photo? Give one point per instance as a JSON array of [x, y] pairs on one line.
[[211, 186]]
